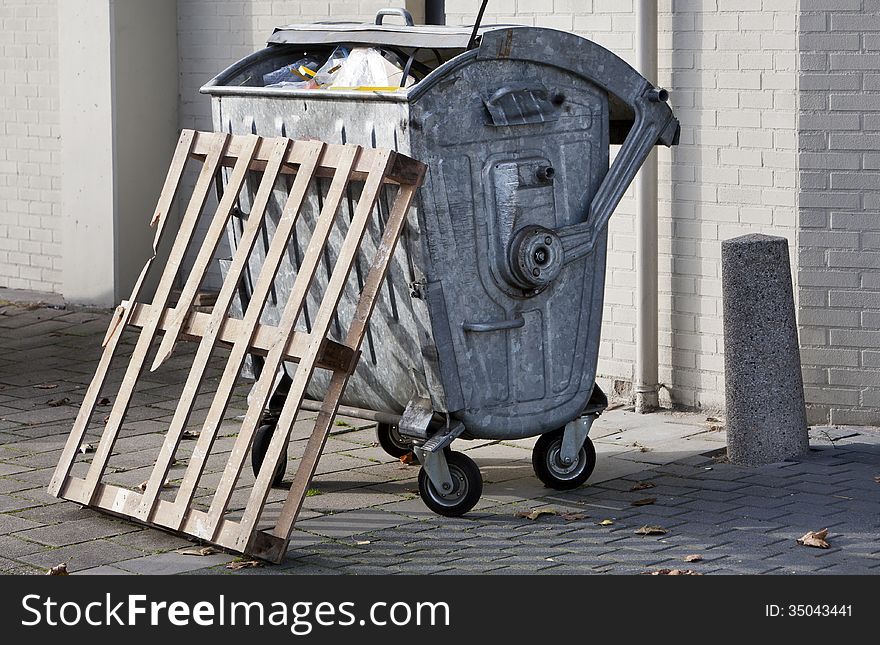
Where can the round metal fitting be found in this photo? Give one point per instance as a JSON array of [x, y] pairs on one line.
[[536, 257]]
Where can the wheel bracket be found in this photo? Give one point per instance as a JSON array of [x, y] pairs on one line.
[[443, 437], [436, 468], [573, 438]]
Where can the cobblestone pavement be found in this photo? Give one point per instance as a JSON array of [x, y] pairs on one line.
[[364, 515]]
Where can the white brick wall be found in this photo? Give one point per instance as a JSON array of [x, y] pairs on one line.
[[731, 69], [30, 173], [839, 242]]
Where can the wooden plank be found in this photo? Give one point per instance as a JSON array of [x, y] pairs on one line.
[[163, 292], [320, 326], [334, 356], [210, 242], [262, 390], [122, 501], [402, 171], [215, 321], [308, 155], [111, 341], [315, 445]]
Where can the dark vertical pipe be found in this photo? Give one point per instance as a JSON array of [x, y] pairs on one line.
[[435, 12]]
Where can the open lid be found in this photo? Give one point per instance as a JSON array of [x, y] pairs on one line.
[[416, 36]]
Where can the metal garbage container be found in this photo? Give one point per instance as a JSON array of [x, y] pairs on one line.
[[489, 326]]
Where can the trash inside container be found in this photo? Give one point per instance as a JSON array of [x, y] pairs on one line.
[[490, 322]]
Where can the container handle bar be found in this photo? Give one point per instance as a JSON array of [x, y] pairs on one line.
[[495, 325], [402, 13]]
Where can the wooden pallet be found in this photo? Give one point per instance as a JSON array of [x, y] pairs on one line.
[[241, 155]]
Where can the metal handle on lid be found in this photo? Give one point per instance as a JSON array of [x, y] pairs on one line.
[[402, 13]]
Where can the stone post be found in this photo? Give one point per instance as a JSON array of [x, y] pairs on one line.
[[766, 415]]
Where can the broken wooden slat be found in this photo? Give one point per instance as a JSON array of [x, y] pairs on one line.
[[163, 293], [117, 323]]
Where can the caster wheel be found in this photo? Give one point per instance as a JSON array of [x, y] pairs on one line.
[[391, 441], [467, 486], [262, 439], [555, 474]]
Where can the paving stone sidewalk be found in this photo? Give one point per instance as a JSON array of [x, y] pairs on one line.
[[364, 515]]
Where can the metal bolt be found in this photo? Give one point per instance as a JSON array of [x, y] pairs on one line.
[[548, 240], [566, 461], [536, 272], [447, 486]]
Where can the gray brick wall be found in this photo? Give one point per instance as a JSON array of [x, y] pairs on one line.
[[839, 209]]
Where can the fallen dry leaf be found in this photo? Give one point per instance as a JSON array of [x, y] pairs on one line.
[[408, 458], [606, 523], [362, 542], [714, 420], [642, 486], [571, 517], [46, 386], [650, 529], [58, 570], [815, 539], [86, 448], [646, 501], [198, 550], [696, 557], [673, 572], [56, 403], [104, 401], [536, 513], [244, 564], [190, 434]]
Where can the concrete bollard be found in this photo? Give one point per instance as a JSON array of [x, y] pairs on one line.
[[766, 415]]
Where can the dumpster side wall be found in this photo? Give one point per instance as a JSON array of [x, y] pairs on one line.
[[731, 68]]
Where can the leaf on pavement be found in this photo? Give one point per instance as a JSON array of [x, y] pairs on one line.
[[571, 517], [57, 403], [695, 557], [606, 523], [362, 542], [198, 550], [46, 386], [650, 529], [642, 486], [244, 564], [143, 486], [104, 401], [673, 572], [644, 502], [190, 434], [815, 539], [408, 458], [58, 570], [536, 513], [86, 448]]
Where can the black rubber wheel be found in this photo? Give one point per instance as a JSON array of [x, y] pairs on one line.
[[467, 486], [554, 474], [391, 441], [262, 439]]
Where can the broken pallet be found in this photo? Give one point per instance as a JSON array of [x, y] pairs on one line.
[[158, 320]]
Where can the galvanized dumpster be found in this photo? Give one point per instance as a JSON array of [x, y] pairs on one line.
[[489, 326]]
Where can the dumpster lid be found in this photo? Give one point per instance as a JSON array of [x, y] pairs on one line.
[[427, 36]]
